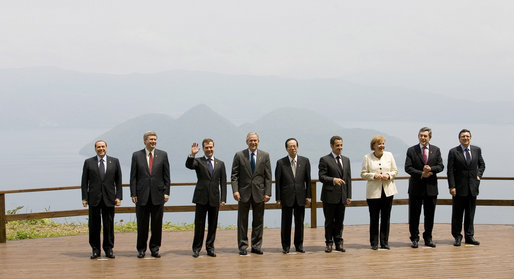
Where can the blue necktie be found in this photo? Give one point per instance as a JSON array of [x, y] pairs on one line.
[[252, 162], [468, 157], [211, 169]]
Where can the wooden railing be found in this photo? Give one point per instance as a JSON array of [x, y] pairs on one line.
[[4, 218]]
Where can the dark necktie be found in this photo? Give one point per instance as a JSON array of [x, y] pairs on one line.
[[252, 162], [211, 168], [338, 158], [425, 155], [101, 169], [468, 156], [150, 163]]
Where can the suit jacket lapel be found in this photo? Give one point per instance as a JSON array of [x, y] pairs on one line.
[[95, 166], [206, 165], [419, 152], [145, 161], [460, 153], [246, 161], [474, 156]]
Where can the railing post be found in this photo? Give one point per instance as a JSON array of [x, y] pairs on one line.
[[3, 233], [314, 206]]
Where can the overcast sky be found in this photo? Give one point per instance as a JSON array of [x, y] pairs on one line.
[[459, 47]]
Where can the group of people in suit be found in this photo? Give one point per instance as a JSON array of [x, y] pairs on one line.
[[251, 180]]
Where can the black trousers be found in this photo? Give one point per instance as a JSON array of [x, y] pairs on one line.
[[463, 206], [429, 204], [285, 227], [143, 215], [243, 208], [379, 210], [96, 215], [334, 218], [201, 212]]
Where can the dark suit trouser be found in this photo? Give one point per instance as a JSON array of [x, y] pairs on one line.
[[334, 218], [379, 210], [96, 215], [466, 206], [243, 208], [201, 212], [143, 215], [285, 228], [429, 204]]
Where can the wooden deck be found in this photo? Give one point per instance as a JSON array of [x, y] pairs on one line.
[[68, 257]]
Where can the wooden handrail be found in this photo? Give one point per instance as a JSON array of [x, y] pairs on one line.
[[4, 218]]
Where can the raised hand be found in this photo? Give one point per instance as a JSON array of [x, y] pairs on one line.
[[195, 148]]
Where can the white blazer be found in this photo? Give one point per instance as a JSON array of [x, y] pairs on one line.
[[371, 165]]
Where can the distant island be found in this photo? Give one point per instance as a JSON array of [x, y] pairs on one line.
[[312, 130]]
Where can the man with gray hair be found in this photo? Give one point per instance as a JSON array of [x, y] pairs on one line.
[[251, 185], [149, 189]]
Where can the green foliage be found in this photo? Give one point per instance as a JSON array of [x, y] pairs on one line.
[[42, 228]]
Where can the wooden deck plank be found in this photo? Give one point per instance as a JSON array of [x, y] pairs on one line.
[[68, 257]]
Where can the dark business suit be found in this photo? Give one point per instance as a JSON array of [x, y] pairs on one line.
[[210, 190], [333, 196], [149, 190], [463, 178], [101, 195], [252, 188], [422, 191], [292, 191]]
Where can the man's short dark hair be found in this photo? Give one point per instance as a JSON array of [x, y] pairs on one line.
[[464, 131], [291, 139], [426, 129], [334, 138], [207, 140]]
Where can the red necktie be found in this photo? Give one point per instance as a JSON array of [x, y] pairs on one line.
[[150, 163], [425, 155]]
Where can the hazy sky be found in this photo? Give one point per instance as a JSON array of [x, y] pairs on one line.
[[459, 47]]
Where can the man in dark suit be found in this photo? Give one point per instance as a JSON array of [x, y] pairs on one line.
[[101, 190], [149, 189], [465, 169], [293, 189], [336, 193], [210, 193], [251, 185], [423, 162]]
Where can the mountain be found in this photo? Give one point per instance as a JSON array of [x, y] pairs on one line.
[[49, 98], [312, 130]]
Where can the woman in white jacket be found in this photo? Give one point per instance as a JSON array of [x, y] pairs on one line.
[[379, 169]]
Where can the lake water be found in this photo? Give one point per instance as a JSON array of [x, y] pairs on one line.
[[50, 158]]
